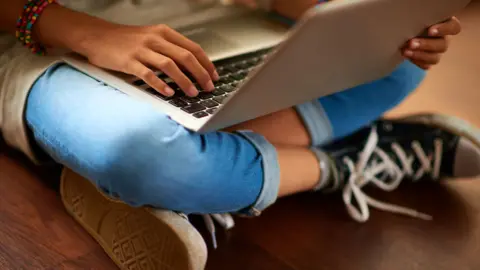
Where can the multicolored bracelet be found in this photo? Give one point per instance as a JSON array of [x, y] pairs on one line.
[[31, 11]]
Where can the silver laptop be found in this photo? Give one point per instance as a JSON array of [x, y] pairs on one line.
[[266, 67]]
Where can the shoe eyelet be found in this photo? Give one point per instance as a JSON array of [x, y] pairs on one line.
[[387, 127]]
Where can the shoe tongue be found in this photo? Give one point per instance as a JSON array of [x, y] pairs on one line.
[[448, 158], [465, 159]]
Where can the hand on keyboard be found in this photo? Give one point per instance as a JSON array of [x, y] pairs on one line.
[[232, 71], [141, 50]]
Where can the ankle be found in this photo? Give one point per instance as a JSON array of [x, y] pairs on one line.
[[298, 170], [324, 165]]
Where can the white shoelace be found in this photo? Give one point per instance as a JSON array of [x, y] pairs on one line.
[[366, 170], [225, 220]]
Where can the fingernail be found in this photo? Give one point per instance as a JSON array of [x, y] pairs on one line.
[[169, 91], [408, 53], [210, 86], [434, 32], [415, 44], [216, 77], [192, 91]]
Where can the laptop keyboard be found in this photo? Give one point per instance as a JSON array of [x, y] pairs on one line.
[[232, 72]]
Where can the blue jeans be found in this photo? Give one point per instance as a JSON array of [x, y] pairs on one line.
[[138, 154]]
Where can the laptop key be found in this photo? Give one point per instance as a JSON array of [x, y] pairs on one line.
[[197, 85], [179, 93], [190, 99], [253, 61], [242, 65], [225, 79], [172, 85], [209, 103], [220, 99], [212, 110], [200, 114], [243, 73], [237, 76], [231, 68], [205, 95], [222, 71], [158, 94], [178, 103], [162, 75], [193, 108], [227, 88], [218, 91], [231, 79], [139, 83], [240, 75], [151, 91]]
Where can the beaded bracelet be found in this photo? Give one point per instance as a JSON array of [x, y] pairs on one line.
[[31, 11]]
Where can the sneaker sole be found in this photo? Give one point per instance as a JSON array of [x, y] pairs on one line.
[[452, 124], [134, 238]]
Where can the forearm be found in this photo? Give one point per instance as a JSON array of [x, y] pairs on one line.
[[57, 26], [64, 28]]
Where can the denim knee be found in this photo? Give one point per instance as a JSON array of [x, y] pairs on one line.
[[164, 172], [183, 171]]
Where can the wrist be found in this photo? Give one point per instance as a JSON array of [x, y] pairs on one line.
[[85, 41]]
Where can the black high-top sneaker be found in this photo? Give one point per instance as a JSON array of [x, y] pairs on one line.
[[388, 152]]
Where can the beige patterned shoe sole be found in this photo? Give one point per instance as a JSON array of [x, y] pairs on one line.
[[135, 238]]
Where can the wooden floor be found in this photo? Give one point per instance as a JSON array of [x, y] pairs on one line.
[[299, 233]]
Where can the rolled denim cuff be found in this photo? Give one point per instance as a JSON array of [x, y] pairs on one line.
[[316, 122], [271, 173]]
